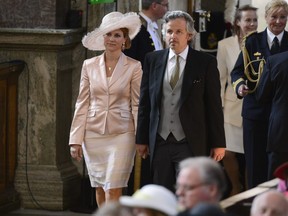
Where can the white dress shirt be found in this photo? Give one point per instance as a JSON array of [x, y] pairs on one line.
[[172, 62], [270, 37]]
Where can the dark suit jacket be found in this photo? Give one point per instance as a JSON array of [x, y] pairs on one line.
[[200, 112], [255, 43], [141, 44], [273, 88]]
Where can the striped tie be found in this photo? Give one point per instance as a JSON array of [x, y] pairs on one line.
[[175, 73]]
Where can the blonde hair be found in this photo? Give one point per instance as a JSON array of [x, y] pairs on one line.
[[274, 5]]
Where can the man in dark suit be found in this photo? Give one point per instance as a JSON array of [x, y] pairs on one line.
[[245, 77], [273, 88], [149, 38], [179, 118]]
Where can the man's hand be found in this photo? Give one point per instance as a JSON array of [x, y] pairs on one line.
[[217, 153], [76, 152], [243, 90], [142, 150]]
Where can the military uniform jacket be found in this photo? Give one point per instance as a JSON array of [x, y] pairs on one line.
[[257, 47]]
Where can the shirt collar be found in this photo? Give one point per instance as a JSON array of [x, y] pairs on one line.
[[271, 36], [149, 21], [183, 54]]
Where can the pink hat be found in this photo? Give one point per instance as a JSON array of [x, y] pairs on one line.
[[282, 171]]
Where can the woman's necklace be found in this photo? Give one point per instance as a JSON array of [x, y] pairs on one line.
[[109, 71], [110, 64]]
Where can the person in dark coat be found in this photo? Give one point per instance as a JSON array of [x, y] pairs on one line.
[[273, 89], [149, 38], [179, 118], [245, 76]]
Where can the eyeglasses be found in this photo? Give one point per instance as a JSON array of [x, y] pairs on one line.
[[188, 187], [164, 5]]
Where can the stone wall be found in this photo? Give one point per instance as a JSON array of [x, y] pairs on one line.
[[34, 13], [44, 172]]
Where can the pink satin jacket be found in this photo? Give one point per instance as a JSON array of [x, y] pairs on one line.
[[106, 106]]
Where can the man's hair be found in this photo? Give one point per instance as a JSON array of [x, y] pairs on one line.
[[210, 171], [238, 16], [275, 4], [147, 3], [172, 15]]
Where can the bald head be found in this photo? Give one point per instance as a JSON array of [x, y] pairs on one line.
[[270, 203]]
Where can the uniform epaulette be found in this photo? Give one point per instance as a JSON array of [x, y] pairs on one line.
[[249, 34], [245, 37]]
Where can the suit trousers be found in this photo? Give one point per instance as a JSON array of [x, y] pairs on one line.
[[167, 156], [255, 144]]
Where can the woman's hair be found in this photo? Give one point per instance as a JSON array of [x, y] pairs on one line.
[[274, 5], [126, 35], [238, 16]]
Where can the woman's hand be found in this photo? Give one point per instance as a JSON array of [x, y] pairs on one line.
[[142, 150], [76, 151]]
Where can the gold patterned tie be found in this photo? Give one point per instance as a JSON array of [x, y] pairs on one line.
[[175, 73]]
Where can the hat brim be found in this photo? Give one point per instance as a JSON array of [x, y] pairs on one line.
[[132, 202], [95, 40], [282, 171]]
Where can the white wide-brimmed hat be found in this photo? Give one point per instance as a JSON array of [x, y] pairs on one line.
[[152, 197], [115, 20]]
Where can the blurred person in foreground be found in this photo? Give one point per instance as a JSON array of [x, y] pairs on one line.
[[269, 203], [180, 113], [105, 118], [201, 179], [245, 21], [151, 200], [113, 208], [205, 209]]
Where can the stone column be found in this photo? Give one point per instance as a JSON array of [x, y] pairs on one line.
[[45, 175]]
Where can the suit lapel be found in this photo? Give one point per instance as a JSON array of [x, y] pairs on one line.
[[264, 44], [119, 68], [188, 73], [284, 42], [160, 67], [102, 72]]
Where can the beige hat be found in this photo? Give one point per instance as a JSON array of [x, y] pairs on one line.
[[152, 197], [115, 20]]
